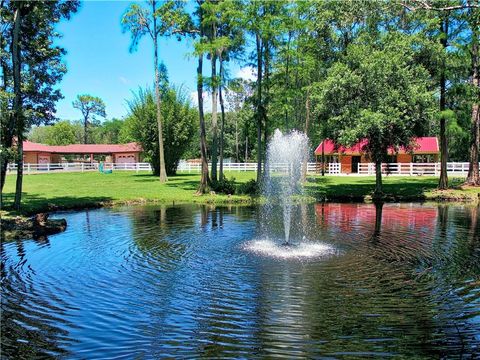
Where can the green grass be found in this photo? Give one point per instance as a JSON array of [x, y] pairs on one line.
[[89, 189], [399, 188], [77, 190]]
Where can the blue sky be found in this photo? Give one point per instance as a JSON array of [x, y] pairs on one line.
[[99, 62]]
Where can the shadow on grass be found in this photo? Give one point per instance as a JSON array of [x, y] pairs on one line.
[[173, 178], [32, 204], [354, 189]]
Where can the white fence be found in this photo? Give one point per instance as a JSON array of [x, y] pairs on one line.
[[453, 168], [78, 167], [312, 168], [433, 169]]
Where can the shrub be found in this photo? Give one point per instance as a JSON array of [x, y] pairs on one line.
[[249, 188], [179, 126], [224, 186]]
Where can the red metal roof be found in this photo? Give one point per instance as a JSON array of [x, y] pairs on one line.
[[424, 145], [82, 148]]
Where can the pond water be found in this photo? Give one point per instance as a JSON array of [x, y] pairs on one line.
[[158, 281]]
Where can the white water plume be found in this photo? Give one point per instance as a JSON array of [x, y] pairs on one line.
[[286, 156]]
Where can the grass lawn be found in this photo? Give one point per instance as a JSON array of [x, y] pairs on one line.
[[76, 190], [400, 188], [89, 189]]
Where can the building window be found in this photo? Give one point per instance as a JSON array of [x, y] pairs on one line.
[[423, 158]]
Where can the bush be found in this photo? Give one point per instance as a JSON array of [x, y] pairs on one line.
[[179, 126], [249, 188], [224, 186]]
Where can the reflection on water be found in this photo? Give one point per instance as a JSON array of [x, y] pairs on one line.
[[162, 281]]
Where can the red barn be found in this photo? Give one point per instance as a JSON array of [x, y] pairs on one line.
[[34, 153], [426, 150]]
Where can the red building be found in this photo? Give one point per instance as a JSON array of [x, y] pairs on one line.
[[34, 153], [426, 150]]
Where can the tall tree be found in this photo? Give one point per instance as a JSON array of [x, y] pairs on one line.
[[89, 106], [18, 101], [376, 93], [156, 21], [451, 28], [31, 72], [230, 44], [262, 22], [179, 125], [205, 178], [473, 177]]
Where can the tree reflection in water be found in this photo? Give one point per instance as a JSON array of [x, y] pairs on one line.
[[167, 281]]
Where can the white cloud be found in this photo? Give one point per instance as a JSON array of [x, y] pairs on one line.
[[246, 73], [207, 100]]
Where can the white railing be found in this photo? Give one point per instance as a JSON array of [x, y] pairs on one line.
[[312, 168], [432, 169], [197, 167], [78, 167]]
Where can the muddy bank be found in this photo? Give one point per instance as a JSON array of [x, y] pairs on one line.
[[35, 227]]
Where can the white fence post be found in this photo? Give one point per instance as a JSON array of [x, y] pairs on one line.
[[399, 169]]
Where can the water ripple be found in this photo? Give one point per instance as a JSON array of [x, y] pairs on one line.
[[402, 281]]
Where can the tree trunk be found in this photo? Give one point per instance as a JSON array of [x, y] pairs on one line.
[[307, 126], [163, 172], [287, 85], [323, 157], [259, 107], [222, 108], [378, 180], [214, 108], [473, 177], [204, 180], [237, 146], [85, 130], [266, 94], [443, 182], [6, 130], [17, 104]]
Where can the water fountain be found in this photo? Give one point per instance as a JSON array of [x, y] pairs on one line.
[[282, 183], [286, 154]]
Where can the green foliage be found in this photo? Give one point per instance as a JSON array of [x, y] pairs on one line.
[[377, 92], [42, 67], [72, 132], [90, 106], [171, 19], [179, 126], [108, 132], [224, 186], [62, 133], [249, 188]]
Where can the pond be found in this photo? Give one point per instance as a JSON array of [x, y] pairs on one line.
[[400, 280]]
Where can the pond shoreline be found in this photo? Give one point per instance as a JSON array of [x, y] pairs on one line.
[[21, 225], [222, 199]]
